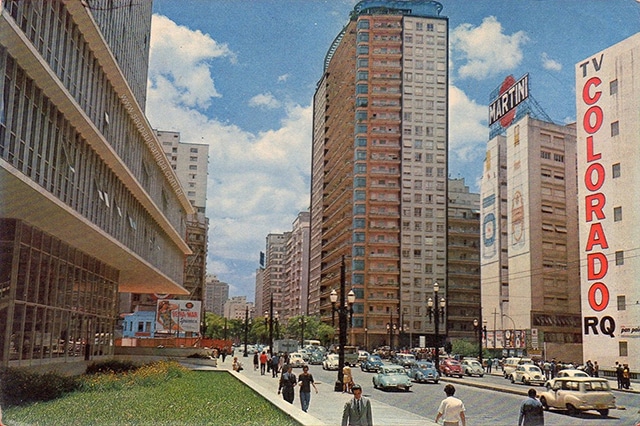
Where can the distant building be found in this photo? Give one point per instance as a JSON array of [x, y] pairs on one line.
[[216, 294], [273, 277], [237, 308], [463, 298], [608, 101], [296, 269], [89, 205]]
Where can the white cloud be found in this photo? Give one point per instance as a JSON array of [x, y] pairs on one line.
[[283, 77], [178, 63], [265, 100], [485, 51], [257, 182], [467, 139], [550, 64]]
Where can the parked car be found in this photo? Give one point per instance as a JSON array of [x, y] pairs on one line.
[[330, 362], [392, 377], [423, 371], [372, 363], [296, 360], [451, 367], [362, 355], [528, 374], [404, 360], [565, 373], [472, 367], [577, 394]]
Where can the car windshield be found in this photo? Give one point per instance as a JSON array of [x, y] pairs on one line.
[[425, 365], [375, 358], [534, 369]]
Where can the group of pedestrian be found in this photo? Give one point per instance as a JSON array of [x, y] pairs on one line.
[[623, 375], [288, 382]]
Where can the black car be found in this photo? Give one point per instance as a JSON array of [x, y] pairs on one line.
[[372, 363]]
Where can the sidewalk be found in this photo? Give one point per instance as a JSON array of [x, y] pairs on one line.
[[325, 407]]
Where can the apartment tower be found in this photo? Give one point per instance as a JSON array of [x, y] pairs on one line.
[[89, 203], [379, 170]]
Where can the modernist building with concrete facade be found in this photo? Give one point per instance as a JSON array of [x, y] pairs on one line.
[[529, 258], [296, 269], [90, 205], [216, 293], [379, 168], [608, 101], [273, 274]]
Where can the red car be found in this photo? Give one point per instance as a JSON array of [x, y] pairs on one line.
[[451, 367]]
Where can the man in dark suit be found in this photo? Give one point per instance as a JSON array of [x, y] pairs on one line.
[[357, 411]]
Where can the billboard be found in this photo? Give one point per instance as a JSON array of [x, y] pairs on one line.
[[512, 93], [178, 316]]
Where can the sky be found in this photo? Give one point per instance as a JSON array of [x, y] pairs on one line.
[[239, 75]]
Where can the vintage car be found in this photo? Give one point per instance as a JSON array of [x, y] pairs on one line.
[[423, 372], [528, 374], [392, 377], [362, 355], [330, 362], [451, 367], [296, 360], [577, 394], [372, 363], [316, 358], [404, 360], [472, 367], [565, 373]]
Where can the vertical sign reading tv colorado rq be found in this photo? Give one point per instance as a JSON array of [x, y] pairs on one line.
[[512, 94]]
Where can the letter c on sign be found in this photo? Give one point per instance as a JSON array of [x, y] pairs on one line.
[[596, 288], [586, 121], [586, 97]]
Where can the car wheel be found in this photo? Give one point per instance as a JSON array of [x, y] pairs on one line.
[[525, 381], [481, 375], [573, 411], [543, 401], [604, 413], [362, 367], [513, 380], [374, 384], [435, 381]]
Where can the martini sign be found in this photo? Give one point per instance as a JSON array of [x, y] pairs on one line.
[[512, 93]]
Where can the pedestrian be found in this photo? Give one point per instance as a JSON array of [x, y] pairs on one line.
[[357, 411], [256, 361], [274, 365], [287, 384], [263, 362], [531, 411], [619, 374], [451, 409], [224, 354], [281, 364], [626, 376], [237, 365], [596, 369], [306, 381], [347, 379]]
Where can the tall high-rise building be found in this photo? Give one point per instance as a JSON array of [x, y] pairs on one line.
[[273, 277], [379, 169], [296, 269], [216, 293], [529, 258], [608, 101], [89, 203]]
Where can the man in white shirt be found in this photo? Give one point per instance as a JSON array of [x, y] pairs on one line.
[[451, 409]]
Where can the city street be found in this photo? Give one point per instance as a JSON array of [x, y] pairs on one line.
[[483, 406]]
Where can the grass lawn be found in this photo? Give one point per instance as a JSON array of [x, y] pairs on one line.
[[196, 398]]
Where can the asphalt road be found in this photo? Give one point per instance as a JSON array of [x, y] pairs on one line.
[[484, 406]]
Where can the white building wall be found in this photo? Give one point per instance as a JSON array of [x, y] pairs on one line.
[[608, 101]]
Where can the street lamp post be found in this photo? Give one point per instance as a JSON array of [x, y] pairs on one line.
[[246, 329], [513, 330], [437, 312], [343, 309], [480, 330], [269, 320], [302, 321]]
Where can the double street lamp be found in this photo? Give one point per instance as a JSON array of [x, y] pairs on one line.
[[437, 313], [480, 330], [270, 319], [344, 307], [246, 329]]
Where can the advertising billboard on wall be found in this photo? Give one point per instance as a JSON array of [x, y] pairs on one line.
[[178, 316]]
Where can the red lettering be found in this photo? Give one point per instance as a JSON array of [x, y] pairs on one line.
[[586, 97], [596, 237], [595, 111], [598, 291], [588, 177], [603, 264], [594, 203], [591, 156]]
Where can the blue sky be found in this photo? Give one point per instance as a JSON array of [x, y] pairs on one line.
[[240, 76]]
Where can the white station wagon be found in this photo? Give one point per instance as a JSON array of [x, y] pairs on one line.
[[577, 394]]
